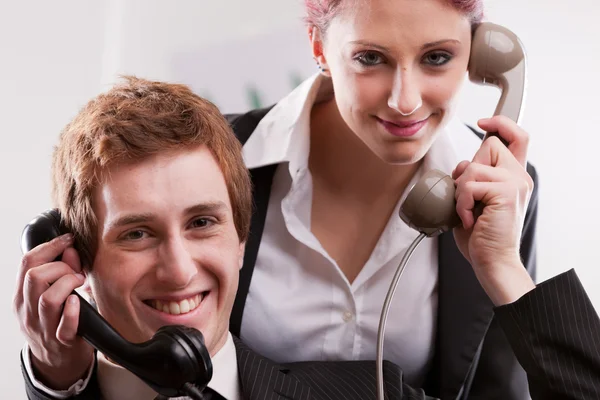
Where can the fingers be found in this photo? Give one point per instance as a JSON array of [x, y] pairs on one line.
[[471, 193], [517, 138], [43, 254], [507, 189], [493, 152], [473, 173], [482, 173], [51, 302], [460, 168], [67, 328], [46, 288], [71, 258]]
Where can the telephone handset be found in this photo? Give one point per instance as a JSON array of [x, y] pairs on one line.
[[174, 362], [497, 59]]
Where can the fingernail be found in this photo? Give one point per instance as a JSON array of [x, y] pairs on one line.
[[81, 277], [72, 299], [67, 237]]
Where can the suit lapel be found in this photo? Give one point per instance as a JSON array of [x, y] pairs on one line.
[[262, 179], [464, 316], [262, 379]]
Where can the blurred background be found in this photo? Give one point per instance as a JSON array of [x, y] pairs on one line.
[[54, 56]]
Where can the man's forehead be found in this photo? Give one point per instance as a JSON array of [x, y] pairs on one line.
[[174, 181]]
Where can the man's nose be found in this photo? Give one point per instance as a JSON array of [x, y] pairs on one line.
[[405, 96], [176, 266]]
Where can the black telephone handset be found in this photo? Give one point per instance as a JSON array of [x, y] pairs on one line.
[[174, 362], [497, 59]]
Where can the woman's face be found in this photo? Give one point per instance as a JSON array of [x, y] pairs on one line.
[[396, 67]]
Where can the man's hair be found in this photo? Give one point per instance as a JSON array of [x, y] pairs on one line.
[[132, 121]]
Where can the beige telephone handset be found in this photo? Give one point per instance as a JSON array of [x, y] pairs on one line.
[[497, 59]]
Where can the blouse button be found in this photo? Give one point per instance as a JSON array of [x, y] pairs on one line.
[[347, 316]]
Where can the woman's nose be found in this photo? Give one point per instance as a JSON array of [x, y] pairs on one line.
[[177, 266], [405, 96]]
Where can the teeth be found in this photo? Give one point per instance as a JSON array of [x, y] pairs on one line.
[[184, 306], [174, 308], [178, 307]]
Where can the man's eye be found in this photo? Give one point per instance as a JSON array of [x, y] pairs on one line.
[[369, 58], [437, 59], [135, 235], [201, 223]]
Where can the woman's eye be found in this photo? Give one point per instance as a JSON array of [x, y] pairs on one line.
[[369, 58], [135, 235], [437, 59]]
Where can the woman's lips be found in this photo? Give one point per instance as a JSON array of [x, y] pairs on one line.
[[403, 128]]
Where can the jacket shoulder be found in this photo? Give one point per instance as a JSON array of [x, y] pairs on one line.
[[243, 124]]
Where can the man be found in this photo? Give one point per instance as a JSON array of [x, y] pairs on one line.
[[151, 181]]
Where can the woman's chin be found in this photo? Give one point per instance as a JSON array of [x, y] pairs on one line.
[[402, 154]]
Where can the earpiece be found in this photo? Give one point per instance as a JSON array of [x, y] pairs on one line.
[[172, 359], [498, 59]]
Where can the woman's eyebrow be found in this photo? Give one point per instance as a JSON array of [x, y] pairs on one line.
[[385, 49]]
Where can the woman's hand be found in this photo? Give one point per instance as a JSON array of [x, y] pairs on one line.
[[492, 194]]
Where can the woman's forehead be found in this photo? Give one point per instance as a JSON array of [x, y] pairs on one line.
[[399, 20]]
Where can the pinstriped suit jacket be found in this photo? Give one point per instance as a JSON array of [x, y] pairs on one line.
[[262, 379], [553, 330]]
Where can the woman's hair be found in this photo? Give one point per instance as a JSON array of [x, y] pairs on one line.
[[321, 12]]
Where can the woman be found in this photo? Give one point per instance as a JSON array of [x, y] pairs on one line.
[[331, 164]]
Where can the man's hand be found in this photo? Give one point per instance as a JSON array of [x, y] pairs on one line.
[[59, 357], [492, 194]]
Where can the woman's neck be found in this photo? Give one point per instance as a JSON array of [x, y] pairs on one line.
[[345, 165]]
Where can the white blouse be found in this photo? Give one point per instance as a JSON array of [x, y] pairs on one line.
[[300, 305]]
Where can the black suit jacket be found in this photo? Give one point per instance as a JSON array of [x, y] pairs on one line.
[[472, 355], [554, 331], [262, 379]]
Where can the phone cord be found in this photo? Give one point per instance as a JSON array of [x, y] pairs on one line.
[[386, 308]]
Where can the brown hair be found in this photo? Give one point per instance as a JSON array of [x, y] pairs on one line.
[[134, 120]]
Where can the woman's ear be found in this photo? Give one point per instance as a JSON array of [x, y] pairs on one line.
[[317, 46], [241, 254]]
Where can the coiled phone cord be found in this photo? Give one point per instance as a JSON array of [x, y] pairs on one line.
[[386, 308]]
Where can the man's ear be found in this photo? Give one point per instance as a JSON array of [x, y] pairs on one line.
[[317, 46], [86, 288], [241, 254]]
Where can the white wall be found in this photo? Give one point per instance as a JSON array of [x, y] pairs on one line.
[[50, 63], [55, 55]]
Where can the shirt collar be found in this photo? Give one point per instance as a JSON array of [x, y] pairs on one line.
[[283, 135], [286, 127], [117, 382]]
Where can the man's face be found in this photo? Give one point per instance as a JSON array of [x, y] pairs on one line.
[[168, 251]]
